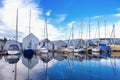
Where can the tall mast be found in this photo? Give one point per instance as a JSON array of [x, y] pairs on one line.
[[89, 28], [72, 34], [81, 27], [98, 30], [81, 31], [114, 34], [16, 40], [29, 27], [105, 29], [17, 25], [46, 31], [65, 33], [29, 21]]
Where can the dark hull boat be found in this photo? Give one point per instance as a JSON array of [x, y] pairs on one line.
[[28, 52]]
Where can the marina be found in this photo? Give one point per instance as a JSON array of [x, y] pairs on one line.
[[59, 40]]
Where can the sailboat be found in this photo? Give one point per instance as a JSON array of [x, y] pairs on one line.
[[105, 50], [43, 48], [14, 48], [88, 46], [71, 46], [97, 48], [81, 48], [114, 47]]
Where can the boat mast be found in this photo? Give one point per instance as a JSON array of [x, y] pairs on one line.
[[113, 34], [29, 27], [15, 77], [105, 29], [17, 25], [29, 21], [72, 35], [98, 34], [89, 28], [65, 33], [81, 32], [98, 30], [46, 31]]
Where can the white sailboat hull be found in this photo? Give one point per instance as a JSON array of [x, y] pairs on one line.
[[79, 50], [13, 52], [96, 53], [67, 50], [96, 49], [43, 50]]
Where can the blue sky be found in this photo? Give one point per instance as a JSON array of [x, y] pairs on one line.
[[60, 14], [75, 9]]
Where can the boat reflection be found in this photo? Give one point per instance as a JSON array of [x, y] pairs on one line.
[[29, 61], [115, 54], [54, 66], [1, 57], [12, 59], [105, 54]]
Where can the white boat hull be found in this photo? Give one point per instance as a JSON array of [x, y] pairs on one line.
[[67, 50], [13, 52], [79, 50], [95, 50], [96, 53], [43, 50]]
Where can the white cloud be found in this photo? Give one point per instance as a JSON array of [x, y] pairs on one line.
[[61, 17], [117, 15], [96, 17], [48, 13], [71, 23], [118, 9], [8, 20]]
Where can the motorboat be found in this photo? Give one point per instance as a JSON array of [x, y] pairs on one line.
[[13, 49]]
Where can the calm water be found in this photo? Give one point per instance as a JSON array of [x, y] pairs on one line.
[[58, 67]]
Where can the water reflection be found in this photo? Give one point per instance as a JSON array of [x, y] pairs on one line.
[[0, 57], [29, 62], [53, 66], [12, 59], [8, 67]]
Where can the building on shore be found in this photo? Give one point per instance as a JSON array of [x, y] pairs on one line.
[[57, 45], [30, 41]]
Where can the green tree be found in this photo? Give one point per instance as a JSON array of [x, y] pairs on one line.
[[5, 39]]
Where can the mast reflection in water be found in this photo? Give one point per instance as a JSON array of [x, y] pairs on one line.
[[53, 66]]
